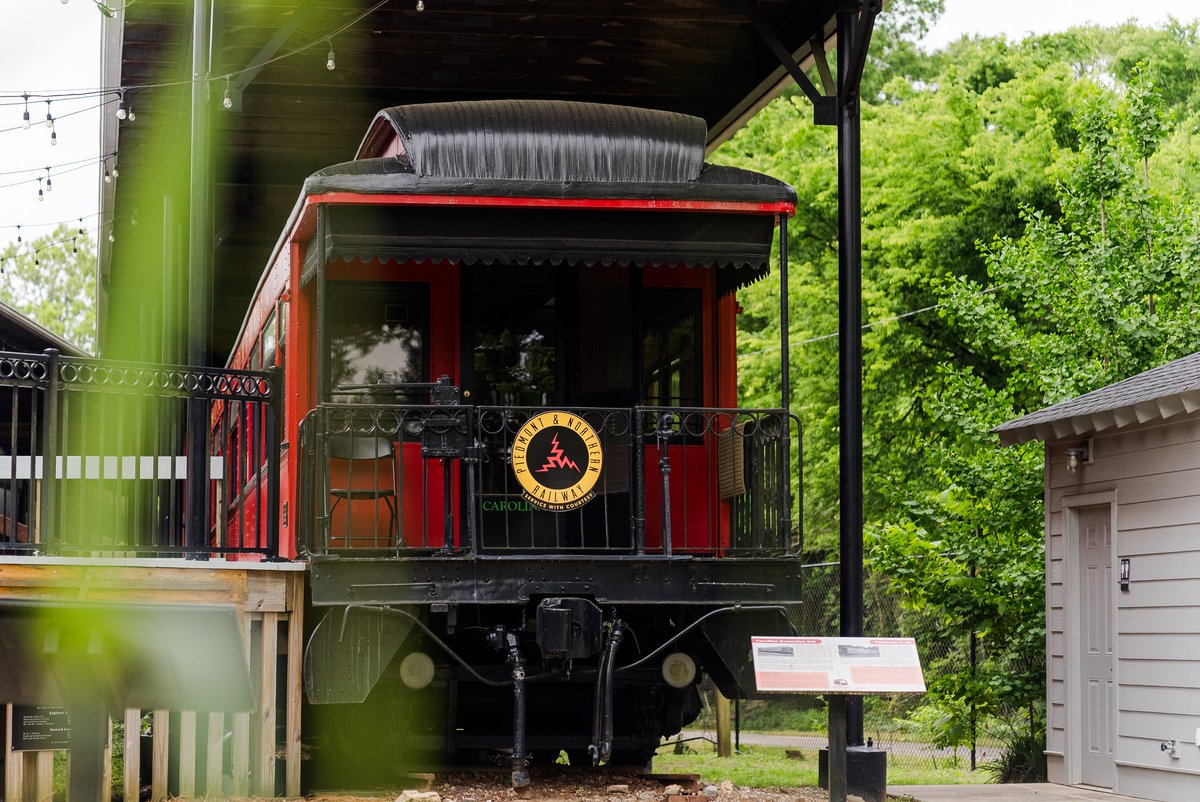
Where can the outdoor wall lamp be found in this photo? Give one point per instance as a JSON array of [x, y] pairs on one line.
[[1078, 455]]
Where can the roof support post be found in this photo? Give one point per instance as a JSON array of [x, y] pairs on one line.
[[850, 350], [200, 262]]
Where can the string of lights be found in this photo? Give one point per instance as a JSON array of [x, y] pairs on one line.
[[36, 253], [121, 96], [11, 97]]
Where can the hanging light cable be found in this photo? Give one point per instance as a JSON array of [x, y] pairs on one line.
[[25, 116], [227, 102], [49, 183], [121, 113], [41, 195], [49, 117], [107, 174], [330, 62]]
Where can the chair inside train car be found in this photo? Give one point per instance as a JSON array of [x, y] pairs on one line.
[[363, 485]]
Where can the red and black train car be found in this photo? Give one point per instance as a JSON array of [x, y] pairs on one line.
[[512, 452]]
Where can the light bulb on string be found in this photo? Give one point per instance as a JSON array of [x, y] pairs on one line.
[[49, 117], [107, 174], [81, 231], [36, 261], [49, 183], [54, 137], [330, 62], [121, 113], [227, 101], [41, 196], [111, 238], [19, 240], [131, 115], [74, 245], [115, 171], [25, 116], [420, 5]]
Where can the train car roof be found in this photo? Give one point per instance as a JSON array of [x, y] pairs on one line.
[[546, 149], [635, 181]]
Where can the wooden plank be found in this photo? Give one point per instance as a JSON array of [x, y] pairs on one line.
[[187, 753], [215, 755], [133, 754], [241, 724], [158, 764], [13, 764], [123, 583], [264, 783], [266, 592], [1166, 673], [1181, 620], [43, 790], [295, 682], [106, 764], [1150, 699]]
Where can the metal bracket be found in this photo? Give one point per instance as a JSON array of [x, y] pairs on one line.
[[826, 103], [242, 78]]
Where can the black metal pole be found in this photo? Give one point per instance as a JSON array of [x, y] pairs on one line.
[[47, 529], [199, 278], [850, 350]]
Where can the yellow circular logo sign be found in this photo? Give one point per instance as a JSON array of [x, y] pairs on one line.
[[556, 457]]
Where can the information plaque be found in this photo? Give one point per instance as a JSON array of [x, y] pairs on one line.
[[40, 728], [837, 665]]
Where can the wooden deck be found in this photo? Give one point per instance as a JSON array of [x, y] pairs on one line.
[[268, 602]]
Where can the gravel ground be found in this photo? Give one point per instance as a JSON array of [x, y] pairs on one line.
[[551, 785]]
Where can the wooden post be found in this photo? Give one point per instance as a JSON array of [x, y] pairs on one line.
[[724, 726], [44, 787], [295, 680], [265, 774], [158, 765], [133, 754], [214, 767], [13, 762], [106, 772], [241, 726], [187, 753]]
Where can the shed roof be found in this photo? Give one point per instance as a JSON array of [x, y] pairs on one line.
[[1157, 394]]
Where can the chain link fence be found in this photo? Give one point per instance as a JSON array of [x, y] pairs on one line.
[[903, 724]]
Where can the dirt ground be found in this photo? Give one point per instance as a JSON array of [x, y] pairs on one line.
[[550, 785]]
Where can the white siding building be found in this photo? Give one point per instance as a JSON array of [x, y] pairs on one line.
[[1122, 492]]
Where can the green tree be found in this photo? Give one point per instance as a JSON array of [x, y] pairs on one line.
[[52, 279], [1100, 291]]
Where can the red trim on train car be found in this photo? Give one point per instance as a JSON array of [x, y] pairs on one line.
[[646, 204]]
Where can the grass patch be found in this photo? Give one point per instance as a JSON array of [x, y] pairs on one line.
[[770, 767]]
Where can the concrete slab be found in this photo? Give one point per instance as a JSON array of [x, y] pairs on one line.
[[1009, 792]]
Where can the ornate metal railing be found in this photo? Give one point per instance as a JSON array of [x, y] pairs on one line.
[[104, 457], [505, 480]]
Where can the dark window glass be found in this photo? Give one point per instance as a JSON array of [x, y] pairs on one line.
[[514, 332], [378, 334], [671, 354]]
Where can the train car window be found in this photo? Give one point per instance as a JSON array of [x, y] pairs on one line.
[[378, 334], [671, 354], [514, 339], [268, 342]]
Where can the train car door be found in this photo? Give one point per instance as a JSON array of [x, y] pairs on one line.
[[386, 328]]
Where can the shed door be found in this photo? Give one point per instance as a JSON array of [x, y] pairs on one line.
[[1096, 642]]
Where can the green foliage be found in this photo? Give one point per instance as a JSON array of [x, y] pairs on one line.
[[52, 279], [1030, 233]]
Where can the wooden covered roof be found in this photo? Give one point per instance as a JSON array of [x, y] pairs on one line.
[[292, 116]]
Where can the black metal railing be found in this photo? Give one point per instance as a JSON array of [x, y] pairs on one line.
[[102, 457], [429, 477]]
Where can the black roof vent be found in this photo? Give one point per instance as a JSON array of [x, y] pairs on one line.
[[547, 140]]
